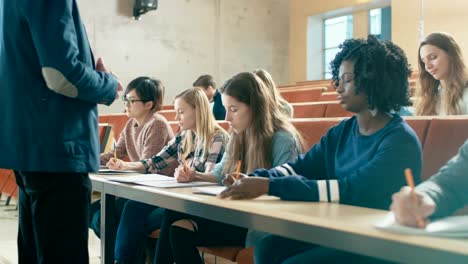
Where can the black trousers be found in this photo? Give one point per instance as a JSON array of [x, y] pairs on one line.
[[53, 217]]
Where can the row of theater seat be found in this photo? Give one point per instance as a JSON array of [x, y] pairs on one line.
[[301, 110], [8, 187]]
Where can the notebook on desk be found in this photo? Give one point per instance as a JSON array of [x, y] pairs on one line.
[[140, 178], [174, 184], [157, 180], [109, 171], [453, 226], [210, 190]]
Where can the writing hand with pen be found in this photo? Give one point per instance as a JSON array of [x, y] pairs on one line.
[[116, 164], [184, 173], [410, 207]]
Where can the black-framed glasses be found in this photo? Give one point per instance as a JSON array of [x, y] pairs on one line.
[[130, 100]]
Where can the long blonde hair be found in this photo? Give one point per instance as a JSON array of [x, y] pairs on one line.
[[205, 123], [429, 99], [266, 78], [254, 145]]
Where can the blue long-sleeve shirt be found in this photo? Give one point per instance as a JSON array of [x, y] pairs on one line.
[[350, 168], [49, 87]]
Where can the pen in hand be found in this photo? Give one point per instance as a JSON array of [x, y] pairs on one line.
[[115, 152], [410, 183], [238, 167]]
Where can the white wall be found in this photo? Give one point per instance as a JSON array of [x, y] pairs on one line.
[[186, 38], [315, 48]]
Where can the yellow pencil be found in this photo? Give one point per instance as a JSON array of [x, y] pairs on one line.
[[185, 166], [115, 152], [238, 167], [410, 183]]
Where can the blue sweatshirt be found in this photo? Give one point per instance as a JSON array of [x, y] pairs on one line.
[[350, 168]]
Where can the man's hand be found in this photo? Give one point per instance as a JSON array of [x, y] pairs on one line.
[[409, 208], [102, 68]]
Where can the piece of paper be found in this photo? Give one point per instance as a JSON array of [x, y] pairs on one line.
[[211, 190], [157, 180], [141, 178], [453, 226], [174, 184], [109, 171]]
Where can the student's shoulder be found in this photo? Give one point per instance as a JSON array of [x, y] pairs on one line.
[[220, 135], [156, 117], [400, 132], [283, 137], [158, 120], [346, 124]]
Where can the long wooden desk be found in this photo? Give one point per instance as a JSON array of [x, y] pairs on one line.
[[337, 226]]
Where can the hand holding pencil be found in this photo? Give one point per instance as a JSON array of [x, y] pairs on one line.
[[410, 207], [184, 173], [231, 178]]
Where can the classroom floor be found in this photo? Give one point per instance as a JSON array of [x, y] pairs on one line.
[[8, 232]]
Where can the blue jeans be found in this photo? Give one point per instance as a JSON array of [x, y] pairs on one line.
[[273, 249], [95, 214], [137, 221]]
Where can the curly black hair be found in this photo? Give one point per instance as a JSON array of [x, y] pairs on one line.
[[381, 71]]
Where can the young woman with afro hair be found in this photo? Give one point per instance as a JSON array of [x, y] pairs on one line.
[[359, 162]]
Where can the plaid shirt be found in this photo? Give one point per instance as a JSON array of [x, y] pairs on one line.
[[173, 151]]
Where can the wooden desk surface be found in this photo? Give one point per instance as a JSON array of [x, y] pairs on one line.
[[338, 226]]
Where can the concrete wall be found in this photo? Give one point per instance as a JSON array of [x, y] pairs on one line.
[[186, 38], [449, 16]]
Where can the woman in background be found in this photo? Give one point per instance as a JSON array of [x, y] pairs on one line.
[[442, 76]]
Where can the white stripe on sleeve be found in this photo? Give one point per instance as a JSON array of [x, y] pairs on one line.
[[282, 170], [334, 191], [287, 166], [322, 191]]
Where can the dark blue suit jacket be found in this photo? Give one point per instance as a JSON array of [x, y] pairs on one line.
[[49, 88]]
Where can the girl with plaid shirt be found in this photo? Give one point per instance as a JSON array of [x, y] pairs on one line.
[[197, 148]]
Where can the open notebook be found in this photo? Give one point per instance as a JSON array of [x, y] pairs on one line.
[[453, 226], [110, 171], [157, 180]]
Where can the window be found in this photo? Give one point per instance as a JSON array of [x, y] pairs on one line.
[[380, 23], [336, 30]]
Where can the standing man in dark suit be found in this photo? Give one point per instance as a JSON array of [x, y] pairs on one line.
[[208, 85], [50, 91]]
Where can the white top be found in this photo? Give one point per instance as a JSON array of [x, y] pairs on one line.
[[463, 102], [211, 105]]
